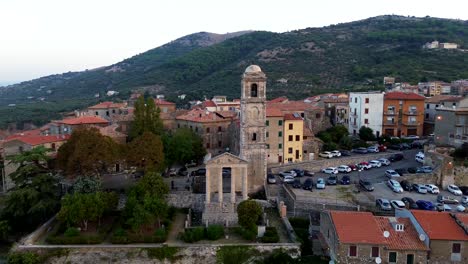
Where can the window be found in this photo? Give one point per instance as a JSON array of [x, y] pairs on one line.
[[268, 146], [267, 134], [456, 248], [253, 90], [317, 115], [302, 115], [427, 106], [355, 99], [220, 129], [21, 149], [219, 144], [207, 130], [254, 136], [97, 113], [298, 138], [178, 125], [366, 121], [427, 116], [280, 133], [280, 122], [290, 150], [392, 257], [375, 252], [191, 127], [196, 129], [267, 123], [207, 145], [113, 111], [352, 252], [107, 113], [366, 110], [290, 126], [367, 100], [290, 138], [280, 146]]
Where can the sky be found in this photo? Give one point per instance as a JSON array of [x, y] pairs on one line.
[[39, 38]]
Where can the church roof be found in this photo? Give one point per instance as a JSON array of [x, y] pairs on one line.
[[253, 69], [231, 158]]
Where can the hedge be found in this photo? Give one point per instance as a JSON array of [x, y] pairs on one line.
[[214, 232], [271, 235], [80, 239]]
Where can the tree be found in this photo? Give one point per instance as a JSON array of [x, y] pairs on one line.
[[146, 118], [87, 185], [146, 152], [366, 134], [248, 213], [88, 152], [183, 146]]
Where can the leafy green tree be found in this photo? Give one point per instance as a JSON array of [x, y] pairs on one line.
[[88, 152], [248, 213], [146, 118], [183, 146], [4, 230], [87, 185], [366, 134], [146, 152]]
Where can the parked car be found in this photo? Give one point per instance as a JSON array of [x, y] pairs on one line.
[[419, 157], [320, 183], [182, 171], [330, 170], [383, 204], [308, 173], [365, 165], [336, 153], [271, 179], [288, 179], [373, 149], [299, 172], [464, 200], [401, 171], [464, 189], [360, 150], [353, 167], [395, 147], [396, 157], [417, 145], [394, 186], [412, 170], [419, 188], [375, 164], [397, 204], [288, 173], [326, 154], [446, 199], [296, 183], [345, 180], [441, 207], [391, 173], [308, 184], [344, 169], [384, 162], [405, 146], [410, 203], [200, 172], [172, 172], [411, 137], [382, 148], [345, 153], [425, 205], [460, 208], [406, 185], [431, 188], [454, 189], [332, 180], [191, 164], [424, 169], [366, 185]]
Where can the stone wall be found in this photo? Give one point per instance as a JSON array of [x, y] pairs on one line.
[[186, 199], [461, 175]]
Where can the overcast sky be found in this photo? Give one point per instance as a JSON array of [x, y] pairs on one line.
[[42, 37]]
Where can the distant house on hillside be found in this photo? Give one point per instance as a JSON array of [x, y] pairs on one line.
[[437, 45]]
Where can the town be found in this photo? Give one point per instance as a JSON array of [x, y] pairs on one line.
[[358, 177]]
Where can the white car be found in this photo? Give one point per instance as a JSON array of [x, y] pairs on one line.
[[373, 149], [288, 173], [375, 164], [288, 179], [336, 153], [383, 161], [320, 183], [326, 154], [394, 186], [431, 188], [391, 173], [419, 188], [411, 137], [419, 157], [344, 168], [330, 170], [397, 204], [461, 208], [454, 189]]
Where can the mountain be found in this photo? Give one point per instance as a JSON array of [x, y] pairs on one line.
[[342, 57]]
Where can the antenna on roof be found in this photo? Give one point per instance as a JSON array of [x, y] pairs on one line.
[[386, 234]]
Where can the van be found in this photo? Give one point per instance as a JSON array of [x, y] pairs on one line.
[[419, 157]]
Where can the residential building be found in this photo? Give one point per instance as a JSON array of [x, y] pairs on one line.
[[451, 124], [274, 135], [434, 88], [360, 237], [293, 136], [337, 110], [434, 103], [459, 87], [366, 109], [389, 82], [66, 126], [403, 114], [167, 112], [105, 110]]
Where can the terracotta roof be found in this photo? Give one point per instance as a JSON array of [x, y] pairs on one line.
[[357, 227], [408, 239], [39, 140], [336, 100], [463, 218], [273, 112], [34, 132], [294, 116], [208, 103], [162, 102], [291, 106], [402, 96], [83, 120], [439, 225], [202, 116], [106, 105], [279, 100], [439, 98]]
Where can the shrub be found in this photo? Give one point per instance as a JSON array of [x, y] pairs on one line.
[[23, 258], [162, 253], [193, 234], [72, 232], [119, 236], [247, 234], [160, 235], [81, 239], [214, 232], [271, 235], [234, 254], [248, 213], [297, 222]]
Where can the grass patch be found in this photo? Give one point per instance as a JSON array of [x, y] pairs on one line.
[[235, 254], [163, 253]]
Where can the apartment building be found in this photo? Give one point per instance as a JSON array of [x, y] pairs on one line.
[[403, 114], [293, 136], [434, 88], [274, 135], [366, 109], [434, 103], [451, 124]]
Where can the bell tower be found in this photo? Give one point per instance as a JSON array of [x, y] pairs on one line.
[[252, 125]]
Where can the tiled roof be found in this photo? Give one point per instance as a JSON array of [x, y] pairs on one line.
[[279, 100], [162, 102], [291, 106], [408, 239], [357, 227], [439, 98], [202, 116], [106, 105], [34, 132], [208, 103], [273, 112], [439, 225], [39, 140], [463, 218], [83, 120], [292, 117], [403, 96]]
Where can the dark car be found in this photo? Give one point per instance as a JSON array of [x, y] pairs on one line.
[[406, 185], [395, 147], [299, 172], [410, 202], [360, 150], [296, 183], [464, 189], [401, 171], [345, 180], [412, 170], [200, 172], [308, 184], [425, 205], [424, 169], [308, 173], [405, 146], [345, 153], [417, 145], [183, 171], [366, 185], [396, 157], [332, 180]]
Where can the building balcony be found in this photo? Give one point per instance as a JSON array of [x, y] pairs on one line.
[[410, 123], [390, 123], [390, 113], [411, 113]]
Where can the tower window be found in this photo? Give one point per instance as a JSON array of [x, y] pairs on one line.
[[254, 136], [254, 90]]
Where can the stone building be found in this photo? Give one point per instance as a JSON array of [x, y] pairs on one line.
[[167, 113], [434, 103], [451, 124]]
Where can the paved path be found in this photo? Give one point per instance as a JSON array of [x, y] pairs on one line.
[[177, 226]]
